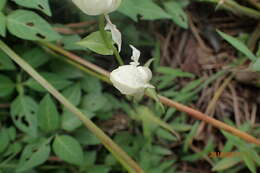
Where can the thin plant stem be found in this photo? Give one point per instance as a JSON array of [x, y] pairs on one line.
[[75, 58], [104, 36], [119, 154], [192, 112], [216, 123], [79, 66]]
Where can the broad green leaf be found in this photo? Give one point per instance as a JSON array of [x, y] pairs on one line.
[[256, 65], [73, 94], [6, 86], [65, 70], [94, 102], [85, 137], [238, 45], [5, 62], [91, 84], [146, 8], [100, 169], [70, 122], [2, 24], [36, 57], [57, 81], [48, 116], [30, 26], [13, 148], [226, 163], [4, 139], [34, 155], [2, 4], [174, 8], [69, 42], [95, 42], [23, 113], [42, 5], [11, 131], [68, 149]]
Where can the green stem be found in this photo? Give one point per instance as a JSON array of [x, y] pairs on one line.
[[104, 36], [119, 154], [79, 66]]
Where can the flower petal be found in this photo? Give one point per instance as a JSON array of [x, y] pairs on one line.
[[116, 34], [135, 56]]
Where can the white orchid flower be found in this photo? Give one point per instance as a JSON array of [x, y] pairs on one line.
[[97, 7], [132, 79], [100, 7]]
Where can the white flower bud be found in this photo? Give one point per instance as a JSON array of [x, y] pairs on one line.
[[132, 79], [97, 7]]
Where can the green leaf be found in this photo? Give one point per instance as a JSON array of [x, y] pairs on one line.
[[240, 46], [23, 113], [48, 116], [174, 72], [4, 139], [42, 5], [2, 4], [70, 122], [85, 137], [2, 24], [190, 136], [226, 163], [30, 26], [91, 84], [161, 150], [36, 57], [57, 81], [94, 102], [34, 155], [69, 42], [249, 160], [95, 42], [146, 8], [73, 94], [6, 86], [68, 149], [5, 62], [256, 65], [174, 8]]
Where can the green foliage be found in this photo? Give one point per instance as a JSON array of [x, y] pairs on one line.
[[23, 112], [6, 86], [30, 26], [68, 149], [42, 5], [33, 155], [2, 24], [38, 134], [238, 45], [95, 42], [48, 116]]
